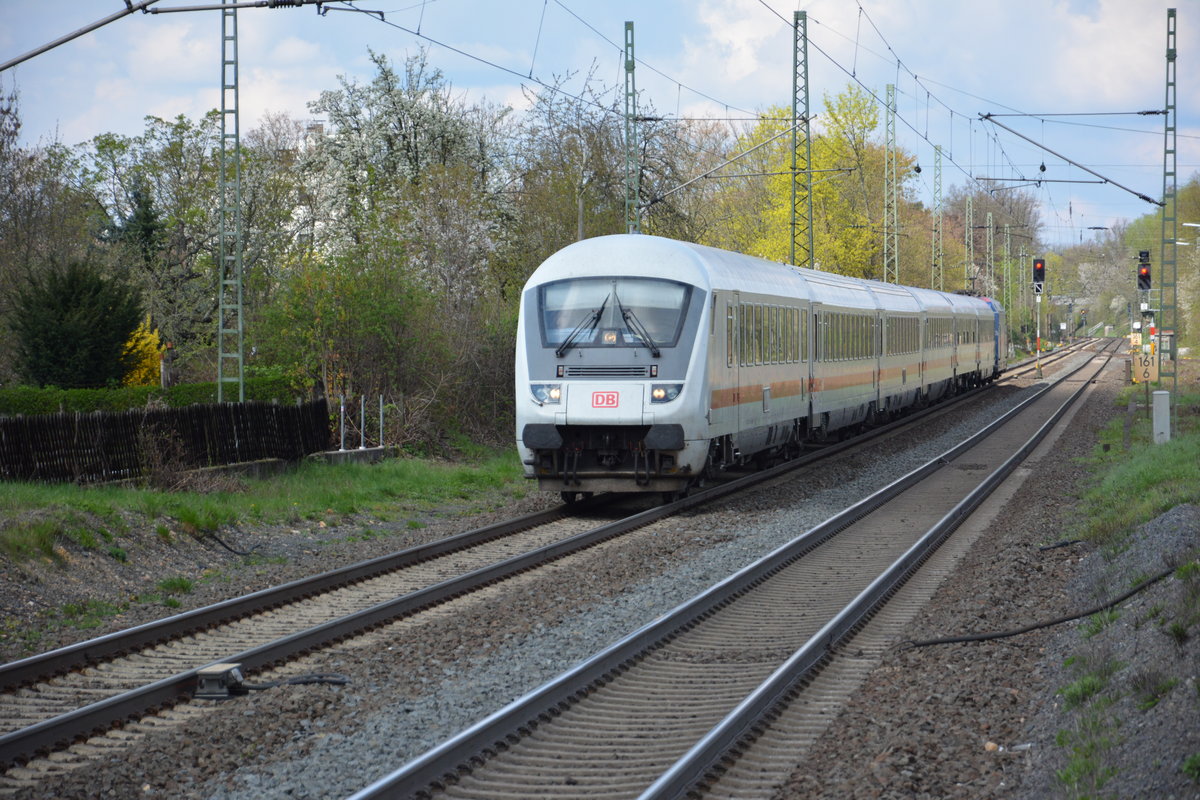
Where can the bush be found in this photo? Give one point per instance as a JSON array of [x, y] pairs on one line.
[[29, 401], [71, 326]]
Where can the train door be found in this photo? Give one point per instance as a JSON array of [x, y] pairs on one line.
[[877, 361], [978, 343], [724, 361], [954, 346], [923, 346]]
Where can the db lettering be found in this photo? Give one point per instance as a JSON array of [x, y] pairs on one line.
[[605, 399]]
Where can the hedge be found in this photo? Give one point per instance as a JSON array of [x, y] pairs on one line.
[[29, 401]]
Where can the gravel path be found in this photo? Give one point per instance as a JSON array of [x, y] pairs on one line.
[[921, 728]]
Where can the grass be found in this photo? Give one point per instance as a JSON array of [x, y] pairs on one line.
[[311, 492], [1150, 686], [1131, 486], [1087, 769], [1139, 484], [177, 585], [1099, 621], [88, 614], [1191, 767]]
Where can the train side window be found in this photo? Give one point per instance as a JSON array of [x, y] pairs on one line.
[[803, 339], [730, 343], [775, 358], [791, 334], [741, 326], [819, 336], [758, 334]]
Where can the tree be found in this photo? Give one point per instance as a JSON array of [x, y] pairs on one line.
[[44, 217], [159, 192], [144, 350], [72, 326]]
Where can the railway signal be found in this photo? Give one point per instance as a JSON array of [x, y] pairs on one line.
[[1143, 274], [1039, 274]]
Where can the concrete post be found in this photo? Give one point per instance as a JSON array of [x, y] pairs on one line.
[[1162, 417]]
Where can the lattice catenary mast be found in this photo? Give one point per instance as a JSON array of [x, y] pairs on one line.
[[230, 320], [1168, 272], [802, 254], [891, 222]]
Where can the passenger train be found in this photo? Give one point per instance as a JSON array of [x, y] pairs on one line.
[[644, 364]]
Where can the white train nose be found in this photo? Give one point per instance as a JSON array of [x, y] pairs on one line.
[[605, 403]]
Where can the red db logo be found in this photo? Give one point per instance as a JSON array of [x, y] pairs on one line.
[[605, 399]]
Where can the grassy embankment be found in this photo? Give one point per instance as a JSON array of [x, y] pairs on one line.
[[35, 518], [1133, 484]]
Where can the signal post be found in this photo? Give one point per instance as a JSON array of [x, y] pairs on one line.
[[1039, 278]]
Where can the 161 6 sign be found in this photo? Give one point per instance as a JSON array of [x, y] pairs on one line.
[[1145, 367]]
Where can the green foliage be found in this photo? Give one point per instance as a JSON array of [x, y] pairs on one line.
[[1149, 480], [1150, 686], [88, 614], [29, 401], [25, 540], [72, 325], [1086, 770], [1082, 689], [176, 585], [1099, 621], [1191, 767], [312, 491]]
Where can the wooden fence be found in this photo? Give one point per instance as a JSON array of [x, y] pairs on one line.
[[106, 446]]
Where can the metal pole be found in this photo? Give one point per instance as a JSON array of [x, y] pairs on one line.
[[891, 221], [632, 162], [342, 416], [802, 247], [230, 319], [381, 420], [362, 422]]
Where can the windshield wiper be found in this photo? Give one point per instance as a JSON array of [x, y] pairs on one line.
[[635, 325], [592, 317]]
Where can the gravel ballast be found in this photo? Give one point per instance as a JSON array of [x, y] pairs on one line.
[[953, 721]]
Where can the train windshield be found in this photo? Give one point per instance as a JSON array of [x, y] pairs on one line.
[[612, 312]]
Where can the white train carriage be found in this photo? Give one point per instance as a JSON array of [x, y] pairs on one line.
[[643, 363]]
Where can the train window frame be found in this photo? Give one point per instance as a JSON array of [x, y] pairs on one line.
[[775, 355], [730, 343], [758, 334], [687, 305]]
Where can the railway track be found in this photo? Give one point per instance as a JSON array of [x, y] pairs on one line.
[[62, 696], [675, 707]]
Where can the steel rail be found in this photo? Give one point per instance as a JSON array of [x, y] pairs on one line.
[[691, 768], [82, 654], [102, 715], [443, 761]]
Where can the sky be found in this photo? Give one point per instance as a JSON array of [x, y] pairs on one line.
[[950, 61]]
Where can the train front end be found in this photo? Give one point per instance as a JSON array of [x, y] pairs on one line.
[[608, 377]]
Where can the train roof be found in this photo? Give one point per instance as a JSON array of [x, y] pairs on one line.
[[713, 269]]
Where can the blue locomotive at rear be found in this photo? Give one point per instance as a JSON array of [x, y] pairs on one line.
[[644, 363]]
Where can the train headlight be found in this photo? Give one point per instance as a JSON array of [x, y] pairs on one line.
[[664, 392], [546, 393]]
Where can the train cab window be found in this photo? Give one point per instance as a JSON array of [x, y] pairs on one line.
[[612, 312]]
